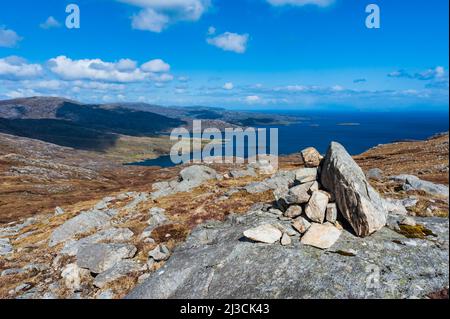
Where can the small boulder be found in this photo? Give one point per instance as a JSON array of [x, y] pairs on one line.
[[408, 221], [301, 225], [59, 211], [317, 206], [304, 175], [160, 253], [331, 215], [286, 240], [293, 211], [5, 247], [301, 194], [157, 216], [321, 236], [74, 277], [264, 234], [311, 157]]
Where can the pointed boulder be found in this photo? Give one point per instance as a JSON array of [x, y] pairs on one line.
[[359, 203]]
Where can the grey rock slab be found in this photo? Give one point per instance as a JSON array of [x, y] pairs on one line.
[[5, 247], [101, 257], [375, 174], [204, 269], [120, 270], [414, 183], [357, 201], [116, 235], [80, 224]]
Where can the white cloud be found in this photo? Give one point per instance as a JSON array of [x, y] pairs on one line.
[[155, 66], [19, 93], [125, 65], [14, 67], [8, 38], [300, 3], [51, 22], [94, 69], [150, 20], [162, 77], [156, 15], [230, 42], [228, 86], [252, 99], [211, 31]]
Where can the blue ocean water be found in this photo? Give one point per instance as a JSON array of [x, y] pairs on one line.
[[357, 131]]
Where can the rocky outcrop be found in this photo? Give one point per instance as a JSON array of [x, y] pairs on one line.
[[358, 202], [411, 182], [379, 266]]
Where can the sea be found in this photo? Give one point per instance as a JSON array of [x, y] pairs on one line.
[[357, 131]]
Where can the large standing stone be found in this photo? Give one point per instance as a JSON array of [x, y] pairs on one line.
[[321, 236], [101, 257], [311, 157], [80, 224], [317, 206], [264, 234], [358, 202]]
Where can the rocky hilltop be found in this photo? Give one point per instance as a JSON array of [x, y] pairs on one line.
[[320, 227]]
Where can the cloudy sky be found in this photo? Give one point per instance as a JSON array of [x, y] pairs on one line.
[[245, 54]]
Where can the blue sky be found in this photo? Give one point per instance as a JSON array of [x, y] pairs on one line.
[[254, 54]]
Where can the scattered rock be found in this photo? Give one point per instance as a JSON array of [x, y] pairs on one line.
[[160, 253], [301, 225], [106, 295], [250, 171], [80, 224], [74, 276], [59, 211], [286, 240], [321, 236], [11, 271], [408, 221], [304, 175], [395, 206], [317, 206], [331, 215], [264, 234], [157, 216], [5, 247], [101, 257], [411, 182], [410, 202], [120, 270], [311, 157], [293, 211], [358, 202]]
